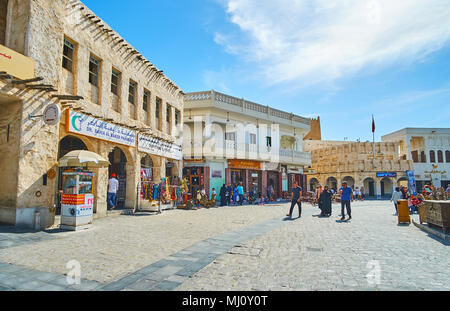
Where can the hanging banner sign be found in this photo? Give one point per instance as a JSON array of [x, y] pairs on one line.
[[79, 123], [411, 182], [157, 147]]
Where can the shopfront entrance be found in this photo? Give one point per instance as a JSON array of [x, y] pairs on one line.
[[273, 180], [237, 177], [66, 145], [118, 166]]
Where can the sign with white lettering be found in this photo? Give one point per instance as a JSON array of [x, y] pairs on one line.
[[89, 126], [157, 147]]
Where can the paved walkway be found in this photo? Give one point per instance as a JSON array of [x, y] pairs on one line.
[[233, 248], [370, 252]]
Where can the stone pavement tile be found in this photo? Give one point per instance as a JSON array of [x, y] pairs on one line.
[[86, 285], [51, 288], [147, 270], [46, 276], [14, 283], [123, 282], [143, 285], [11, 269], [4, 289], [31, 286], [168, 270], [162, 263], [177, 278], [167, 286]]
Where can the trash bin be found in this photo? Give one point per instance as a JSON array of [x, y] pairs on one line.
[[403, 212]]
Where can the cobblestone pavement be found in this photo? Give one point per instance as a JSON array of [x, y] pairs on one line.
[[118, 246], [314, 253]]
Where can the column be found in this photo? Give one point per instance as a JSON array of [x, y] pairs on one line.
[[264, 183], [377, 188]]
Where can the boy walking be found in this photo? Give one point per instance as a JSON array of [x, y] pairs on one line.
[[296, 196], [346, 198]]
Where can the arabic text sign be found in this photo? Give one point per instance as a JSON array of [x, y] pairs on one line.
[[90, 126], [157, 147], [388, 174]]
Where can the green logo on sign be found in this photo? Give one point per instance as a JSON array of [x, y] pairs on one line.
[[74, 125]]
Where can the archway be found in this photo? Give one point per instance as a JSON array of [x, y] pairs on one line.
[[350, 181], [387, 187], [313, 184], [332, 183], [118, 166], [66, 145], [369, 187]]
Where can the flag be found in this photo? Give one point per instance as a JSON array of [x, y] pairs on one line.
[[373, 125]]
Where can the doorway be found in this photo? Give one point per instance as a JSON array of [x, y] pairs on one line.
[[66, 145], [118, 166]]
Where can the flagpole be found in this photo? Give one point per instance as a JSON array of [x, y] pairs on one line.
[[373, 132]]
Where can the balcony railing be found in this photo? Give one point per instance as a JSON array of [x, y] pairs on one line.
[[246, 105]]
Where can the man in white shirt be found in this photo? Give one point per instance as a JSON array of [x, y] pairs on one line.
[[397, 195], [113, 187]]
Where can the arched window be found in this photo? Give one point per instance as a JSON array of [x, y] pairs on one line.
[[440, 156], [432, 156], [447, 156], [423, 157]]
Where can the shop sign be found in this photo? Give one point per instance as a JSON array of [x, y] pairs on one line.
[[390, 174], [216, 174], [52, 114], [157, 147], [74, 205], [16, 64], [79, 123], [244, 164], [411, 182], [271, 166]]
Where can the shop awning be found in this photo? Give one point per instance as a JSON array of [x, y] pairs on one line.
[[82, 158]]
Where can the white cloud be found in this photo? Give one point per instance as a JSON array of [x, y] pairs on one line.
[[320, 41]]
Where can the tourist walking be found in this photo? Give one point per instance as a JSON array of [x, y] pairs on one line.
[[240, 191], [346, 199], [397, 195], [325, 201], [296, 197], [230, 194], [113, 187], [223, 195]]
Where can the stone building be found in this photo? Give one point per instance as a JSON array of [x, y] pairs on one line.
[[336, 161], [429, 150], [59, 52], [231, 140]]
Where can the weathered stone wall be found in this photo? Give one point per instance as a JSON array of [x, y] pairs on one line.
[[3, 14], [37, 30]]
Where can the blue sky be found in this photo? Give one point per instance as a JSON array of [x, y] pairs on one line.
[[341, 60]]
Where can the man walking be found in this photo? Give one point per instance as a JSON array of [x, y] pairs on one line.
[[346, 198], [240, 191], [113, 187], [397, 195], [296, 196]]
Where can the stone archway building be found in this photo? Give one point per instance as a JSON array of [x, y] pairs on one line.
[[58, 55], [336, 161]]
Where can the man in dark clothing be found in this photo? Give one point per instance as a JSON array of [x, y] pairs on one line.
[[346, 198], [223, 195], [325, 200], [296, 199], [230, 194]]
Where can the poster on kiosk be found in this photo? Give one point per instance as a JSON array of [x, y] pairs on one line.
[[77, 206]]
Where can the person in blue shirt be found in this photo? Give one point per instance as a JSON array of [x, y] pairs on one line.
[[240, 191], [346, 198]]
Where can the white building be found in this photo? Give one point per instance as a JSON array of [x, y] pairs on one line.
[[429, 149], [231, 140]]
